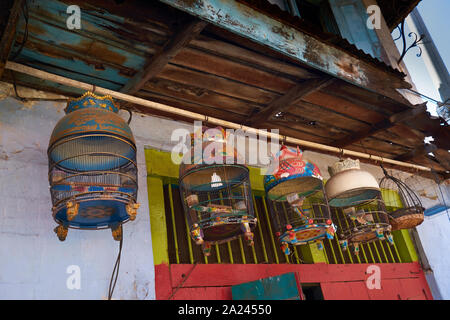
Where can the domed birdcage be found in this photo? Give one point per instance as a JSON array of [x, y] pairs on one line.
[[297, 200], [215, 187], [92, 167], [404, 206], [360, 210]]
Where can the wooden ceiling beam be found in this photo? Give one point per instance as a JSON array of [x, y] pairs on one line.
[[155, 65], [283, 102], [7, 38], [382, 125]]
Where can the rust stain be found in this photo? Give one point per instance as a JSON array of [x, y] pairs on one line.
[[54, 52], [98, 50], [347, 67], [312, 53], [36, 29], [289, 36]]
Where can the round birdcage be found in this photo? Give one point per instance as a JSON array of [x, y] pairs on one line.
[[363, 222], [403, 204], [216, 192], [297, 201], [349, 184], [360, 211], [92, 167]]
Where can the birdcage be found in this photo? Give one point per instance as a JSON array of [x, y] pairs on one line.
[[215, 186], [92, 167], [297, 200], [403, 204], [359, 208], [434, 193], [349, 184]]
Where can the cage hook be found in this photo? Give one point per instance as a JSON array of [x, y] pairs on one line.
[[131, 115], [341, 154]]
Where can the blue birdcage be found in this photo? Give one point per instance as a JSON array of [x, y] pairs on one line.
[[92, 167]]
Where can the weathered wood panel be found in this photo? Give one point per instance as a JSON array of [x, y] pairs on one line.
[[223, 67], [216, 84]]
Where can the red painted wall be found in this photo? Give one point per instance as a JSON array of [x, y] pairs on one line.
[[399, 281]]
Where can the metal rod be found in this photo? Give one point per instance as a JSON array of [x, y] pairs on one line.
[[270, 230], [197, 116]]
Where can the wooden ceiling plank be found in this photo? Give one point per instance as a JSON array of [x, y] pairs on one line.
[[443, 156], [420, 150], [255, 58], [186, 105], [187, 32], [292, 96], [427, 161], [223, 67], [199, 96], [381, 125], [7, 40], [344, 106], [216, 84]]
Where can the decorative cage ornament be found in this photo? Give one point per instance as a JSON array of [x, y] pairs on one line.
[[297, 201], [92, 167], [359, 208], [215, 188], [404, 206]]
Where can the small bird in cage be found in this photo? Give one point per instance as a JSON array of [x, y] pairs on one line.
[[319, 245], [356, 248], [285, 248], [390, 238], [344, 244]]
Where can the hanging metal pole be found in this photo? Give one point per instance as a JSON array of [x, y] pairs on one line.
[[197, 116]]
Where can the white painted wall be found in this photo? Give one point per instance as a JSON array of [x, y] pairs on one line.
[[33, 261]]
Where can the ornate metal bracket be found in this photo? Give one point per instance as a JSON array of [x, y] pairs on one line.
[[416, 42]]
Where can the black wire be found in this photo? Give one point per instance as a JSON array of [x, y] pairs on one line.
[[115, 272], [15, 87]]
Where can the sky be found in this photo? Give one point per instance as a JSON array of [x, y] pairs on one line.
[[435, 14]]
